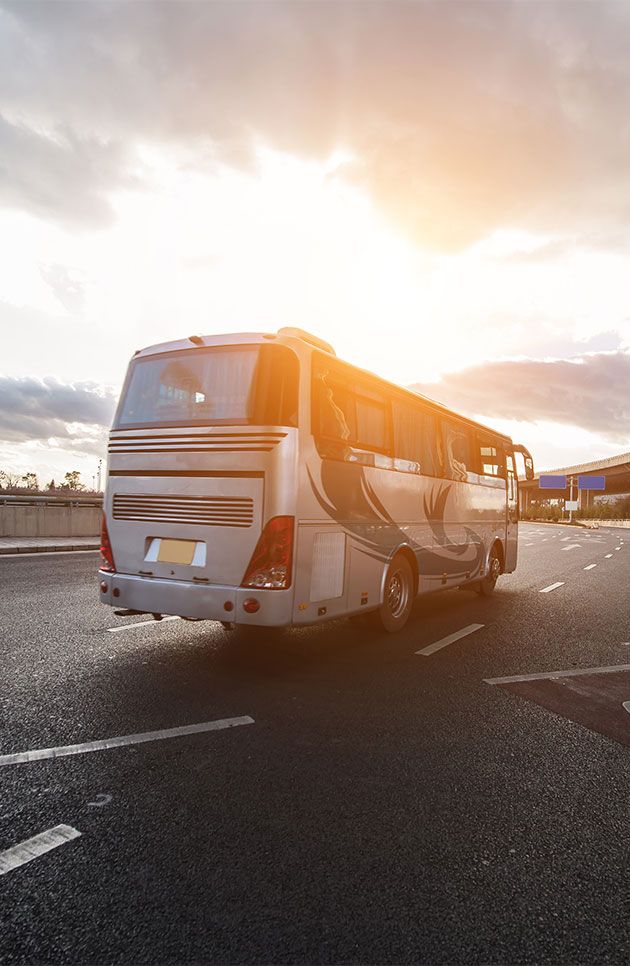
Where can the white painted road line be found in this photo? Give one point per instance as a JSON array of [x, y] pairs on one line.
[[626, 706], [590, 566], [63, 750], [573, 546], [617, 548], [546, 590], [445, 641], [38, 845], [608, 555], [552, 675], [130, 627]]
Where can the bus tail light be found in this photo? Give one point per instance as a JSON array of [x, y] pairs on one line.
[[107, 557], [270, 566]]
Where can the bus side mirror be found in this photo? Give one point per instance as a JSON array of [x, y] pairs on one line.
[[527, 458]]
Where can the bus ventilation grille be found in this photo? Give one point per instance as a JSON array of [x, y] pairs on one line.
[[198, 443], [210, 511]]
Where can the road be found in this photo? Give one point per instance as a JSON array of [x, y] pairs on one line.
[[381, 806]]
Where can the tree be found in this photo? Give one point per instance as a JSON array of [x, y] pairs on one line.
[[52, 485], [29, 480], [72, 481], [8, 480]]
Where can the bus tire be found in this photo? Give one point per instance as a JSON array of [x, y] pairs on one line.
[[398, 595], [486, 586]]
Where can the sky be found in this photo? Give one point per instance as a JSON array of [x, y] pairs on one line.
[[441, 190]]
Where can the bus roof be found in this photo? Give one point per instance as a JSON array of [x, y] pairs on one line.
[[287, 336]]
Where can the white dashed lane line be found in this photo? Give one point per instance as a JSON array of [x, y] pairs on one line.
[[63, 751], [608, 555], [547, 590], [38, 845], [574, 672], [445, 641], [590, 566], [151, 623]]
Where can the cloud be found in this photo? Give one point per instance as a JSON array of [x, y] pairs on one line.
[[65, 177], [461, 117], [67, 289], [33, 409], [590, 392]]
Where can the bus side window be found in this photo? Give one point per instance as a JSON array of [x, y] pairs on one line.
[[491, 456], [511, 476], [409, 426], [433, 446], [372, 430], [334, 416], [457, 451]]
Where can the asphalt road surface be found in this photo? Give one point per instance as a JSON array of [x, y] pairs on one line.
[[368, 803]]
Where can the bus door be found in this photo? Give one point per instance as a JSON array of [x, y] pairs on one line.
[[511, 536]]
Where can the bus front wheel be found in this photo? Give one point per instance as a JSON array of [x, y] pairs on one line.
[[486, 586], [398, 596]]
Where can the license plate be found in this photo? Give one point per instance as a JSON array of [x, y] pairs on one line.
[[177, 551]]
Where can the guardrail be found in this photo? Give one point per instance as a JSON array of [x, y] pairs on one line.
[[72, 515], [78, 499]]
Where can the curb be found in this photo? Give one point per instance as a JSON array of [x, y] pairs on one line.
[[51, 548]]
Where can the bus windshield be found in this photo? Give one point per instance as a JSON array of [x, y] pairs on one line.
[[216, 385]]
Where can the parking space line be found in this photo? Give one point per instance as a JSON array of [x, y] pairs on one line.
[[62, 751], [547, 590], [38, 845], [445, 641], [151, 623], [590, 566], [552, 675]]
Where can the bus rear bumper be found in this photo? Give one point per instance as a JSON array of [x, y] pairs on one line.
[[180, 598]]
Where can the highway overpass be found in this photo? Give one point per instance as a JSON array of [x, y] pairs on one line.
[[615, 469]]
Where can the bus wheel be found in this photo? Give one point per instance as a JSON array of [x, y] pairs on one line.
[[398, 596], [486, 586]]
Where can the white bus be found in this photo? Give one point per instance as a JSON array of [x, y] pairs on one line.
[[257, 479]]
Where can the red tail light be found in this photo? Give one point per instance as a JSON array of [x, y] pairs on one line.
[[107, 557], [270, 566]]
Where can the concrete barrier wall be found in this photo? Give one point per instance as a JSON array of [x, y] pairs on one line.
[[606, 523], [49, 521]]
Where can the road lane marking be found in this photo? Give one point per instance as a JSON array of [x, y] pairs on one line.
[[608, 555], [626, 706], [590, 566], [572, 546], [552, 675], [130, 627], [562, 539], [547, 590], [38, 845], [445, 641], [617, 548], [39, 754]]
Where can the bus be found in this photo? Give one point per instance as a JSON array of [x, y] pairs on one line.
[[257, 479]]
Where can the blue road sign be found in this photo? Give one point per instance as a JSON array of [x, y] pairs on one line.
[[591, 482], [548, 482]]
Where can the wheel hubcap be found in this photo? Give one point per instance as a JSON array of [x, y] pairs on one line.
[[495, 570], [397, 594]]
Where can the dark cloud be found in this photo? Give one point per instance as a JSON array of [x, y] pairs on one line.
[[592, 392], [32, 409], [462, 116]]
